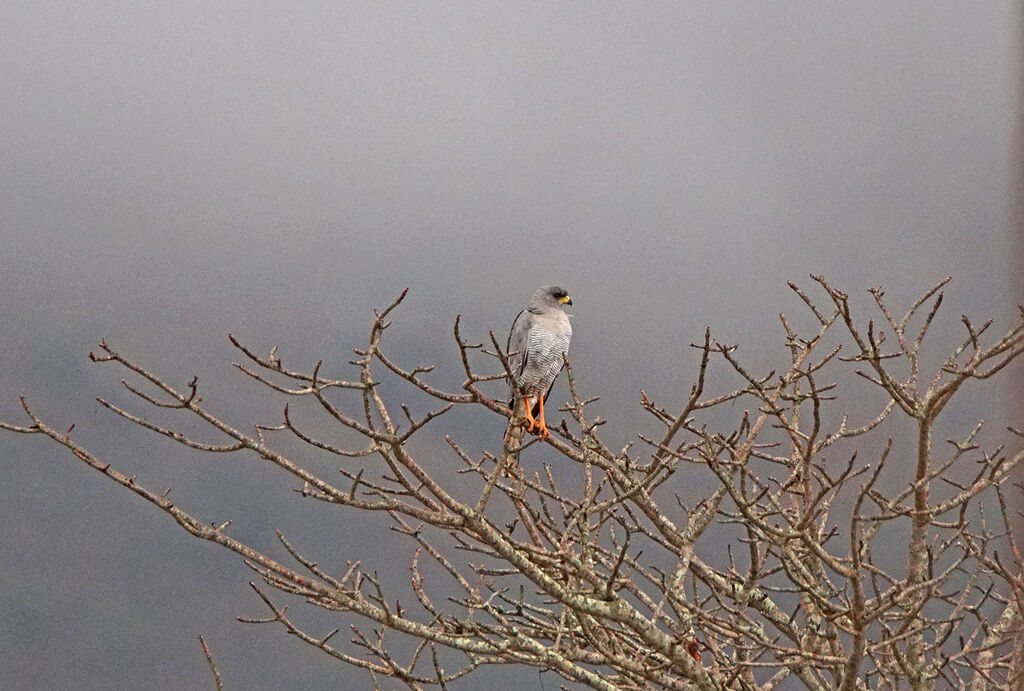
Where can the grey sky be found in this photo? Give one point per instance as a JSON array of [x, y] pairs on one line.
[[175, 171]]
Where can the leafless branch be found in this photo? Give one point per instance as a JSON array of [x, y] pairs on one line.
[[594, 567]]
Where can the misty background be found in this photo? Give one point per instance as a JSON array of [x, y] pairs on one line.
[[173, 172]]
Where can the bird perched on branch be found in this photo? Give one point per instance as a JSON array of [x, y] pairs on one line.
[[537, 345]]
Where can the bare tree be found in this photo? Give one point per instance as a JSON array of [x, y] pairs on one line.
[[790, 566]]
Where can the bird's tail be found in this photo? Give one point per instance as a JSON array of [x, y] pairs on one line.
[[514, 437]]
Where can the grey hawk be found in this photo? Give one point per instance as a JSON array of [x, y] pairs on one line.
[[537, 345]]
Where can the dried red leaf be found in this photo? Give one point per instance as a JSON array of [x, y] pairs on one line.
[[693, 648]]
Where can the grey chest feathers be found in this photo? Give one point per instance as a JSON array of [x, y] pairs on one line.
[[547, 342]]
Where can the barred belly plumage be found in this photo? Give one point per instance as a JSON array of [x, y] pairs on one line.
[[545, 353]]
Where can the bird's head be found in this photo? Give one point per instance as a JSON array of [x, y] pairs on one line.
[[551, 296]]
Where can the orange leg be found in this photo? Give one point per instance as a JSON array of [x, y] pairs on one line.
[[541, 425], [529, 414]]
